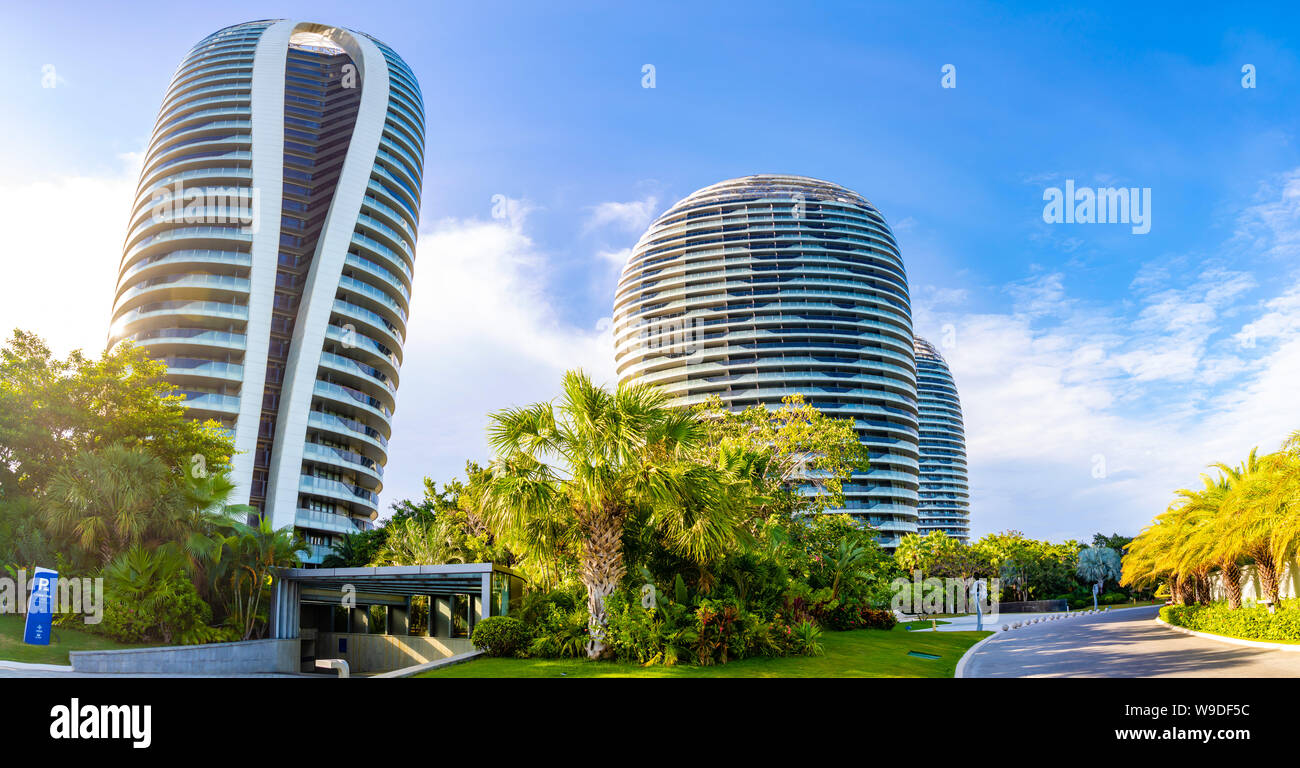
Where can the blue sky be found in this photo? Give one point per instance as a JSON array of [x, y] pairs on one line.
[[1099, 369]]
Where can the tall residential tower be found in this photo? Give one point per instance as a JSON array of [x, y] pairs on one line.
[[766, 286], [945, 493], [269, 256]]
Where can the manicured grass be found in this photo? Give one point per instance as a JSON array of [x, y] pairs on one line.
[[860, 653], [64, 639], [923, 623]]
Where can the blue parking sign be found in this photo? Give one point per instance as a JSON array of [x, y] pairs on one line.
[[40, 607]]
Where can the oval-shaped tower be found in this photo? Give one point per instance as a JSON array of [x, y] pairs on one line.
[[765, 286], [945, 492], [269, 256]]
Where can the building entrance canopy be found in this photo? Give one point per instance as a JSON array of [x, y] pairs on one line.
[[498, 589]]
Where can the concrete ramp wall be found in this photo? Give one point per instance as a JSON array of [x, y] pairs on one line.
[[250, 657], [380, 653]]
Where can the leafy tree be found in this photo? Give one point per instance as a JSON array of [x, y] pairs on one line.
[[1115, 541], [1031, 569], [785, 450], [919, 553], [52, 409]]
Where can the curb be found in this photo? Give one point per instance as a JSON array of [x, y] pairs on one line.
[[965, 657], [425, 667], [23, 666], [1260, 644]]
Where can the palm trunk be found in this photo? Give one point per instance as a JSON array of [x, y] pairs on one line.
[[1232, 582], [1203, 593], [1266, 567], [1175, 592], [602, 568], [1187, 590]]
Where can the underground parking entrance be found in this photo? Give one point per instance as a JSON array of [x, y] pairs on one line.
[[387, 618]]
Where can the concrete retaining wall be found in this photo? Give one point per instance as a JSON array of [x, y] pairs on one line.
[[252, 657], [380, 653]]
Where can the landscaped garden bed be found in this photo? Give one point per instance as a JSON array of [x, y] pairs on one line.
[[857, 653]]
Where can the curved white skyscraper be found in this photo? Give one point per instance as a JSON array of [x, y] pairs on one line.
[[945, 492], [766, 286], [269, 258]]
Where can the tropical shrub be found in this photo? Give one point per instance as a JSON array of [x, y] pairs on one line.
[[148, 597], [537, 605], [808, 639], [848, 616], [501, 636], [561, 634], [1249, 622]]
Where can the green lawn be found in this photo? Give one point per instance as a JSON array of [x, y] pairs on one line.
[[12, 647], [923, 623], [860, 653]]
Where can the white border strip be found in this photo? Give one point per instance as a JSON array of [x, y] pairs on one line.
[[428, 665], [1261, 644]]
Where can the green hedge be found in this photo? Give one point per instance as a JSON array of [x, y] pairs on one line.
[[501, 636], [1249, 622]]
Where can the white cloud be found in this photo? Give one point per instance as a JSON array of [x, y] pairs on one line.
[[1145, 393], [63, 252], [631, 216], [485, 334]]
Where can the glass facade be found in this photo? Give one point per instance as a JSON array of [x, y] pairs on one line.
[[766, 286], [270, 255], [945, 493]]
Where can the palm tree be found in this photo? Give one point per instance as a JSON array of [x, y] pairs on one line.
[[1157, 554], [346, 552], [1097, 564], [1250, 517], [848, 556], [1284, 499], [411, 542], [254, 552], [1207, 545], [600, 461], [111, 499]]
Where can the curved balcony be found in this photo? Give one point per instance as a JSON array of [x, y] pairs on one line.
[[186, 337], [196, 256], [364, 373], [227, 405], [179, 309], [388, 255], [173, 285], [328, 521], [377, 419], [368, 267], [357, 341], [333, 489], [348, 429], [204, 369], [339, 457]]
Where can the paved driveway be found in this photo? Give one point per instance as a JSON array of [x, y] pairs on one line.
[[1125, 643]]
